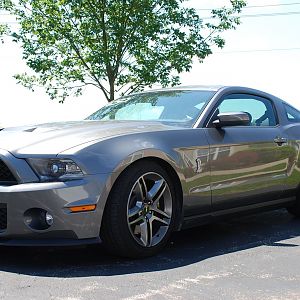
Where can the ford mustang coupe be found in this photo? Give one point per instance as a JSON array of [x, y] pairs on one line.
[[147, 165]]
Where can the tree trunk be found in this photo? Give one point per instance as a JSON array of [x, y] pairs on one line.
[[111, 81]]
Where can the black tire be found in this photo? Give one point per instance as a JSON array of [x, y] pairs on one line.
[[116, 232], [295, 209]]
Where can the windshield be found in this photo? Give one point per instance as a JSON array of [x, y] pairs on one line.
[[173, 107]]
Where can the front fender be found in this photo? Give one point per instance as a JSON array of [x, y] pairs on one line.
[[114, 154], [180, 148]]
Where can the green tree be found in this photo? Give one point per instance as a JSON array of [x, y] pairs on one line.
[[3, 31], [119, 46]]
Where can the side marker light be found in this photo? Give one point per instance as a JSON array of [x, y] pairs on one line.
[[82, 208]]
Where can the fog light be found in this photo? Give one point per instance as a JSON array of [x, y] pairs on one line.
[[38, 219], [49, 219]]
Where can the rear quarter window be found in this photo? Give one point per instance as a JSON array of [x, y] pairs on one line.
[[292, 114]]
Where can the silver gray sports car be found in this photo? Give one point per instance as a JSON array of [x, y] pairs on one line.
[[146, 165]]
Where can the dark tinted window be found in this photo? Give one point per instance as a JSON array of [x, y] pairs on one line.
[[292, 114]]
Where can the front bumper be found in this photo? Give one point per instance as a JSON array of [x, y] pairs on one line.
[[55, 198]]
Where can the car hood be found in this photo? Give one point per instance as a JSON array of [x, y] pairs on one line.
[[53, 138]]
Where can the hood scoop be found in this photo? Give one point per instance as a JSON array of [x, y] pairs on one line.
[[30, 129]]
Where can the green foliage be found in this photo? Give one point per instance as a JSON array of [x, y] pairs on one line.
[[119, 46], [3, 31], [3, 27]]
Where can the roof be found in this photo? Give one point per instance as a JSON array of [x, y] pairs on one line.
[[213, 88], [188, 87]]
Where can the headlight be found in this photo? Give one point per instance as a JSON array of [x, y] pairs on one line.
[[55, 169]]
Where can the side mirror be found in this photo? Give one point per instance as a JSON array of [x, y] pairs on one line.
[[232, 119]]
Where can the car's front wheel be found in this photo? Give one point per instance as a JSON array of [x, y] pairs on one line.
[[295, 208], [140, 212]]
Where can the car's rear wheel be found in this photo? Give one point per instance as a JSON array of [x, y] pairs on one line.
[[140, 213]]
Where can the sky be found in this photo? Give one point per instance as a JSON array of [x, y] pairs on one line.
[[263, 53]]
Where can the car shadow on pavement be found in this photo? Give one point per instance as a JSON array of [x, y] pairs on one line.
[[187, 247]]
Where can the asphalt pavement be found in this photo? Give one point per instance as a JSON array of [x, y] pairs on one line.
[[254, 257]]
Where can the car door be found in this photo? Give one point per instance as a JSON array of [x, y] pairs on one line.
[[248, 163]]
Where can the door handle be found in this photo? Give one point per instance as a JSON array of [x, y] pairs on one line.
[[280, 140]]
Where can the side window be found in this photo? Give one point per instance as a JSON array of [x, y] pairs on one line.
[[292, 114], [260, 110]]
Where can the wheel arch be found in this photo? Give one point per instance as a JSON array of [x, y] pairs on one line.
[[171, 170]]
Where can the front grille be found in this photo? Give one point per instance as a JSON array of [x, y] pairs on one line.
[[3, 216], [6, 176]]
